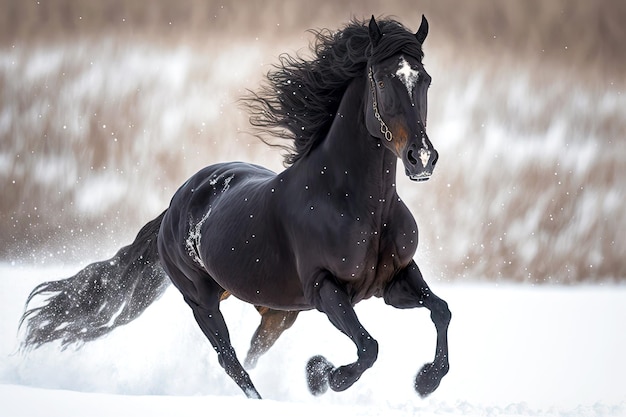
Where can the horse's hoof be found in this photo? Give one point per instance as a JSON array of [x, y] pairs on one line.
[[428, 379], [252, 393], [317, 371], [250, 362]]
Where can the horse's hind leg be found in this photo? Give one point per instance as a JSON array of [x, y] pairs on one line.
[[213, 326], [273, 324], [203, 295], [408, 290], [332, 299]]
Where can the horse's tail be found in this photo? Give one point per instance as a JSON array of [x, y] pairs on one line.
[[99, 298]]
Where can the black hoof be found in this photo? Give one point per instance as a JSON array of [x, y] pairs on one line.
[[317, 370], [428, 379]]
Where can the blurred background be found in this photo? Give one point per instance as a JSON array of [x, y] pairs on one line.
[[106, 107]]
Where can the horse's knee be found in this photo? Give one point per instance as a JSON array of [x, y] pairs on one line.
[[440, 312]]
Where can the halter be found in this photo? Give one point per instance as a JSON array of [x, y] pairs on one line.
[[383, 127]]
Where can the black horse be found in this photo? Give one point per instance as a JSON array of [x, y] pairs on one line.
[[326, 233]]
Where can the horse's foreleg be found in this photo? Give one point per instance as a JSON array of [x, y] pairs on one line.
[[273, 324], [408, 290], [333, 300]]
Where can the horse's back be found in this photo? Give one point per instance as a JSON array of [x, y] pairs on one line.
[[209, 185]]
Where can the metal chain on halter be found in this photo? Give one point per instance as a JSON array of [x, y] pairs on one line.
[[383, 127]]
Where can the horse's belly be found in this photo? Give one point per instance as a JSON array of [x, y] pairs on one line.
[[257, 276], [245, 252]]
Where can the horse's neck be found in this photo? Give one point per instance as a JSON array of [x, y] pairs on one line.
[[350, 155]]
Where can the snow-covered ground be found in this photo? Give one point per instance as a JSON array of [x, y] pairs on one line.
[[516, 350]]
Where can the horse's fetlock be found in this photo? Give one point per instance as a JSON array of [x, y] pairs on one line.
[[369, 353]]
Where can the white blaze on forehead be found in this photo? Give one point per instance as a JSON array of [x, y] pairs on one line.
[[407, 75]]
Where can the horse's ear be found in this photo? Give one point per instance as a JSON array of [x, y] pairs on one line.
[[422, 31], [375, 33]]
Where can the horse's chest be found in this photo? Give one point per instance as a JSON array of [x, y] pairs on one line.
[[371, 258]]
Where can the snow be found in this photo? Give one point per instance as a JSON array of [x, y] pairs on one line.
[[194, 238], [515, 350]]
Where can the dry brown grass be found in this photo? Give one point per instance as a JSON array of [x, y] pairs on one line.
[[581, 33]]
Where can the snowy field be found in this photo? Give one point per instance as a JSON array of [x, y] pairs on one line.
[[516, 350]]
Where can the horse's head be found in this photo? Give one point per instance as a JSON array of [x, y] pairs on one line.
[[397, 106]]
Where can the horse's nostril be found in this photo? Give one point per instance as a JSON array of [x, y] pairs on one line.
[[411, 158]]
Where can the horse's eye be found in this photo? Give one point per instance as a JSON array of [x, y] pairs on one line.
[[381, 84]]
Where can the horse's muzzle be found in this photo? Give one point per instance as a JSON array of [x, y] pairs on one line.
[[419, 165], [423, 176]]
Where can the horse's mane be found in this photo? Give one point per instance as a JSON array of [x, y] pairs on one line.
[[301, 96]]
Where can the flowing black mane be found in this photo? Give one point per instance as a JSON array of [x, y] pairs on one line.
[[301, 96]]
